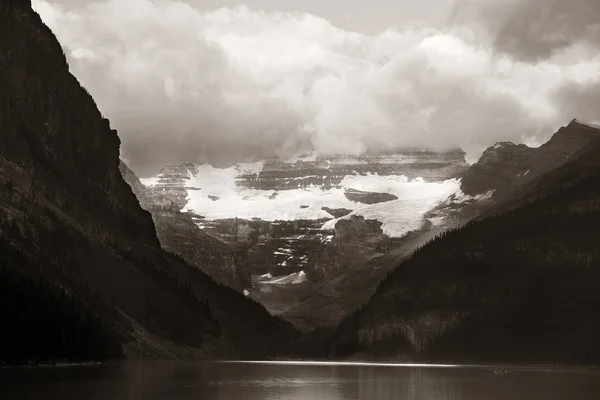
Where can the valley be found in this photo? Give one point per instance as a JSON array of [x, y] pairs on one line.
[[296, 235], [409, 255]]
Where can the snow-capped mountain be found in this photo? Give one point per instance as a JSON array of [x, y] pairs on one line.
[[303, 222], [386, 190]]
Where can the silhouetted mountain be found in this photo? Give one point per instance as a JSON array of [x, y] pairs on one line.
[[80, 261], [517, 286]]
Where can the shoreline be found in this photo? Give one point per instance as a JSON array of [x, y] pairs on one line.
[[326, 363]]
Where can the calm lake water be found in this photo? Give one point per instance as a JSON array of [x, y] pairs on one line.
[[234, 381]]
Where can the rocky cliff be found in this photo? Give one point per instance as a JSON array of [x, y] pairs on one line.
[[506, 167]]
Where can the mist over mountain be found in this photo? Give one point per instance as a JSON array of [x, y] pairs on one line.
[[239, 84]]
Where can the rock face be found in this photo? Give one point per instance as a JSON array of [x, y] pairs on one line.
[[337, 212], [500, 166], [329, 172], [506, 170], [507, 167], [356, 228], [369, 198], [70, 222]]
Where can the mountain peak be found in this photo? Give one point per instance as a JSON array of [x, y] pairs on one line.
[[571, 138], [577, 122], [505, 152], [506, 166]]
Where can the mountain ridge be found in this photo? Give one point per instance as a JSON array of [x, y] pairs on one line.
[[507, 166]]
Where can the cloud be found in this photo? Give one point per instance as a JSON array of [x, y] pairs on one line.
[[532, 29], [232, 85]]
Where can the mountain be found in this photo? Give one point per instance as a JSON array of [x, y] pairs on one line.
[[580, 164], [83, 272], [331, 220], [506, 171], [517, 285], [343, 221], [506, 167]]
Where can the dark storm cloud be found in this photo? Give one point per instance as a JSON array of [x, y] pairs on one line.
[[533, 29]]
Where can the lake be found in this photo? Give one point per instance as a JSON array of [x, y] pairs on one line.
[[277, 381]]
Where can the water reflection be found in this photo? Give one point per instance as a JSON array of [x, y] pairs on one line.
[[217, 381]]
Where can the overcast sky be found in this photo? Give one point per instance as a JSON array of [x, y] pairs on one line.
[[365, 16], [212, 81]]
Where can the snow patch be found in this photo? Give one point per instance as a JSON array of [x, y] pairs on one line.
[[399, 217], [149, 182], [218, 195], [291, 279], [235, 201], [437, 221], [246, 292], [329, 238], [460, 197]]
